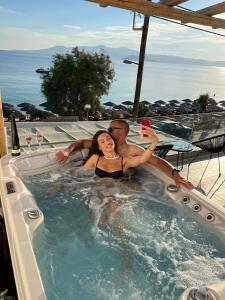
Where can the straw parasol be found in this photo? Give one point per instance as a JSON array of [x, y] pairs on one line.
[[145, 102], [160, 102], [187, 101], [109, 104], [8, 109], [127, 103], [174, 101], [222, 102], [44, 104]]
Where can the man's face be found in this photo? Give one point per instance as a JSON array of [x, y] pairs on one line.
[[117, 131]]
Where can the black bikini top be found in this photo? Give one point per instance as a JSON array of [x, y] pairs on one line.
[[102, 173]]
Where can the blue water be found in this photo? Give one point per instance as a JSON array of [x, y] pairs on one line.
[[19, 82], [148, 248]]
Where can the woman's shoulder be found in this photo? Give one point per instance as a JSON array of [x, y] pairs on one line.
[[91, 162], [94, 157]]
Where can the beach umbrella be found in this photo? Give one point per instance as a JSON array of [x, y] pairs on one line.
[[8, 109], [184, 104], [44, 104], [187, 101], [127, 103], [25, 104], [160, 102], [222, 102], [120, 106], [172, 104], [110, 104], [155, 105], [27, 107], [174, 101], [42, 114], [145, 102]]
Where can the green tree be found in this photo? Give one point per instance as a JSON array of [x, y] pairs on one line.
[[76, 79], [203, 102]]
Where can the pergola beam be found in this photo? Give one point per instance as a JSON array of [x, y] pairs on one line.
[[213, 10], [172, 2], [157, 9]]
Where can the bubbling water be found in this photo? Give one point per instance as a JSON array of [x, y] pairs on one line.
[[119, 239]]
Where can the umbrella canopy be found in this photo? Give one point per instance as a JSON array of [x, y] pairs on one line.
[[172, 104], [44, 104], [127, 103], [160, 102], [222, 102], [174, 101], [25, 104], [145, 102], [187, 100], [8, 109], [120, 106], [185, 104], [110, 104], [156, 105]]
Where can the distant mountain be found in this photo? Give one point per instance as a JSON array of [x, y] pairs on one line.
[[177, 60], [119, 54]]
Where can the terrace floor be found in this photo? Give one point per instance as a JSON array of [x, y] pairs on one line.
[[217, 193]]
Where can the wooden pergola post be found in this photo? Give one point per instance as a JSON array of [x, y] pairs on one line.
[[3, 147], [140, 67]]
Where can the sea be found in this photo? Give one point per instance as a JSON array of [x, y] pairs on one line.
[[166, 81]]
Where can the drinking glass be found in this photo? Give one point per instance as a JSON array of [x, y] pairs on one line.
[[39, 137], [28, 140]]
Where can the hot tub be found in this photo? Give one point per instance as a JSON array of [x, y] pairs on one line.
[[27, 222]]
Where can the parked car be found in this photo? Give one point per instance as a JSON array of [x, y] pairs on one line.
[[174, 128]]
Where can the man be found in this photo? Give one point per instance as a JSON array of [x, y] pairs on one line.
[[119, 130]]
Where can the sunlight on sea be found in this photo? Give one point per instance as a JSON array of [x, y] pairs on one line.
[[19, 82]]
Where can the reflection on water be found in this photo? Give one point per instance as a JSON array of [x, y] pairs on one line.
[[119, 239]]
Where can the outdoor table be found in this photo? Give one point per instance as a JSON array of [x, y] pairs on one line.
[[180, 146]]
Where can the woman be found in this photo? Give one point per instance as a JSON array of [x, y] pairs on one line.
[[107, 163]]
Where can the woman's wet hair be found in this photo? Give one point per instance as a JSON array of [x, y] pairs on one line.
[[94, 145]]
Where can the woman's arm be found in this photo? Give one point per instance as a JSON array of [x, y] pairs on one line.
[[135, 161], [91, 162]]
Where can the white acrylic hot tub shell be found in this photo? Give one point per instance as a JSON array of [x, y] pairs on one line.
[[20, 228]]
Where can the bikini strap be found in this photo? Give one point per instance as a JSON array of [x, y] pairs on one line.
[[97, 161]]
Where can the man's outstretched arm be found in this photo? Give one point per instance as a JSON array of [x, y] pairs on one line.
[[168, 168], [62, 156], [162, 165]]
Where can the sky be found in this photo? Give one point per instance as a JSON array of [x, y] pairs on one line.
[[26, 25]]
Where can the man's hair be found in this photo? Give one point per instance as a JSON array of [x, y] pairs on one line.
[[123, 123]]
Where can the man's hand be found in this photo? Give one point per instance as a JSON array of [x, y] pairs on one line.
[[180, 181], [61, 156]]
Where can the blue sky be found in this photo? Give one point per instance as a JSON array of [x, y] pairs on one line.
[[42, 24]]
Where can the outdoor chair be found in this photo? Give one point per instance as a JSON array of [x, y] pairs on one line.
[[213, 144], [162, 150]]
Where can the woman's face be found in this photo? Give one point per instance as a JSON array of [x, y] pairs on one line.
[[105, 142]]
